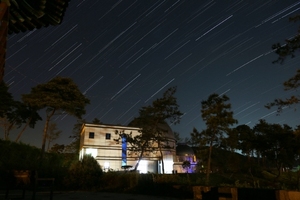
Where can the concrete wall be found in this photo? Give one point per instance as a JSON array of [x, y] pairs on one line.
[[221, 193]]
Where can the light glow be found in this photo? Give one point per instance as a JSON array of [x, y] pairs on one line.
[[143, 166], [168, 166], [92, 152], [106, 165]]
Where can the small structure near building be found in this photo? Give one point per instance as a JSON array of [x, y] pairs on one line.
[[184, 155]]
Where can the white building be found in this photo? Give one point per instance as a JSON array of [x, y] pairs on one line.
[[99, 140]]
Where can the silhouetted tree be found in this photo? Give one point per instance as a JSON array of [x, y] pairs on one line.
[[57, 148], [96, 121], [186, 165], [231, 141], [56, 96], [218, 118], [277, 144], [13, 114], [246, 140], [152, 120], [6, 99]]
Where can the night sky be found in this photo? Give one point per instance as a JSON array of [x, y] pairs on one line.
[[123, 54]]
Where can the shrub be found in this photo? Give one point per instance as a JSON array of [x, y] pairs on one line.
[[84, 174], [18, 156], [119, 181]]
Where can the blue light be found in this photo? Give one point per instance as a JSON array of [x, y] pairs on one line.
[[124, 150]]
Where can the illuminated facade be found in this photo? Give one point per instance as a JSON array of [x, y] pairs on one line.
[[99, 140]]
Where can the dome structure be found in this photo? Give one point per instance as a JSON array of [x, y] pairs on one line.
[[168, 133], [184, 150]]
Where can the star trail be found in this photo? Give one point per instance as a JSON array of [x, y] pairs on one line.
[[123, 54]]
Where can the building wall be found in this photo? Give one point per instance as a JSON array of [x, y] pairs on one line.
[[100, 141]]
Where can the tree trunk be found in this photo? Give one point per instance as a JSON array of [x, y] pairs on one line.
[[45, 132], [162, 158], [138, 162], [140, 158], [6, 134], [7, 128], [23, 129], [48, 145], [208, 164]]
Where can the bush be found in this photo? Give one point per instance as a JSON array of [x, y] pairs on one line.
[[18, 156], [119, 181], [84, 174]]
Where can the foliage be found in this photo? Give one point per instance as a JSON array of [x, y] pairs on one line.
[[17, 156], [186, 165], [13, 114], [84, 174], [246, 139], [58, 95], [57, 148], [21, 156], [152, 120], [96, 121], [279, 144], [290, 47], [283, 51], [177, 137], [119, 181], [6, 99], [63, 166]]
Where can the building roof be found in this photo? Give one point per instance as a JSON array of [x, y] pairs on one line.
[[35, 14], [168, 133], [25, 15], [121, 127], [184, 150]]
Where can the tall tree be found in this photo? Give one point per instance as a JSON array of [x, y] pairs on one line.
[[218, 117], [56, 96], [152, 120], [277, 145]]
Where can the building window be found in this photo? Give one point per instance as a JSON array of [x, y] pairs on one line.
[[107, 136], [91, 135]]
